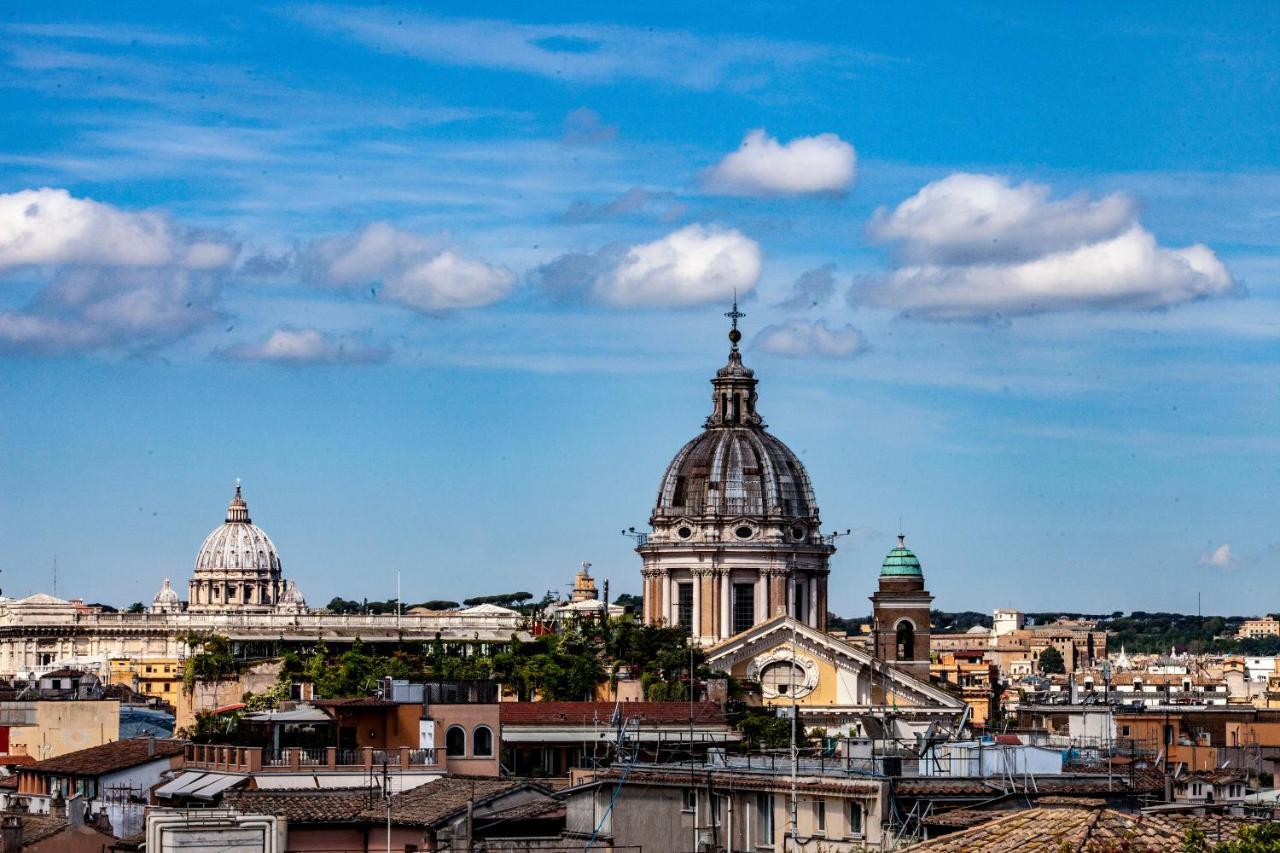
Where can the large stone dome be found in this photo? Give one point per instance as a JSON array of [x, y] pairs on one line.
[[736, 471], [237, 567], [238, 543], [735, 467], [735, 534]]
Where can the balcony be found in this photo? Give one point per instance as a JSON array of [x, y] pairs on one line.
[[253, 759]]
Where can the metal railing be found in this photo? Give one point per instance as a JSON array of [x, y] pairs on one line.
[[251, 759]]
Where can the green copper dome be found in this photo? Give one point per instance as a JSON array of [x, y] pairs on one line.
[[901, 562]]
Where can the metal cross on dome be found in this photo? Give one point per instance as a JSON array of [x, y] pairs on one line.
[[735, 315]]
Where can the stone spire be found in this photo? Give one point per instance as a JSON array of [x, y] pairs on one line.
[[238, 510], [733, 400]]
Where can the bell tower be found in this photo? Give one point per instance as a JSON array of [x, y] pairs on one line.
[[900, 613]]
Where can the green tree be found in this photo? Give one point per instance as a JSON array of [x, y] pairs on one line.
[[1255, 838], [212, 660], [435, 604], [762, 728], [137, 607], [507, 599], [627, 599], [1051, 661]]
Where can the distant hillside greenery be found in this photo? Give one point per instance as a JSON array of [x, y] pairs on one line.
[[942, 621], [1138, 632]]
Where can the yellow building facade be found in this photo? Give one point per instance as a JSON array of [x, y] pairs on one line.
[[160, 678]]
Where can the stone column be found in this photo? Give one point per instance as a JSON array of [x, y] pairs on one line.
[[710, 604], [650, 591], [762, 598], [822, 601], [726, 603], [668, 599], [813, 601], [695, 629], [777, 592], [646, 596]]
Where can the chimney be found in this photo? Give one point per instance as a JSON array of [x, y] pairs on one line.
[[151, 746], [76, 807], [11, 834]]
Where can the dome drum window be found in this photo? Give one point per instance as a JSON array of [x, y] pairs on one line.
[[744, 532]]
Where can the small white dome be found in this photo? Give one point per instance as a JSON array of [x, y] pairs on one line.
[[166, 595], [292, 596]]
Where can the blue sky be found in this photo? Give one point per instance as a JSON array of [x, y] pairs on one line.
[[444, 287]]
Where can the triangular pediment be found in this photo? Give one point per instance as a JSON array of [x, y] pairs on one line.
[[760, 640]]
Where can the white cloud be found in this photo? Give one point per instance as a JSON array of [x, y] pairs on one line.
[[308, 346], [762, 166], [415, 270], [967, 217], [812, 289], [586, 52], [692, 266], [124, 309], [373, 253], [635, 202], [1220, 558], [974, 246], [50, 227], [584, 126], [447, 280], [118, 279], [800, 338]]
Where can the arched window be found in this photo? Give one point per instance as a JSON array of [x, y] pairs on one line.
[[906, 641], [482, 742], [455, 742]]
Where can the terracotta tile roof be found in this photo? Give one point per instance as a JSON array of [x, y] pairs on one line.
[[359, 702], [544, 808], [965, 818], [108, 757], [1074, 802], [1055, 829], [440, 799], [945, 787], [1143, 781], [16, 760], [313, 806], [1216, 777], [38, 827], [587, 713], [426, 805]]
